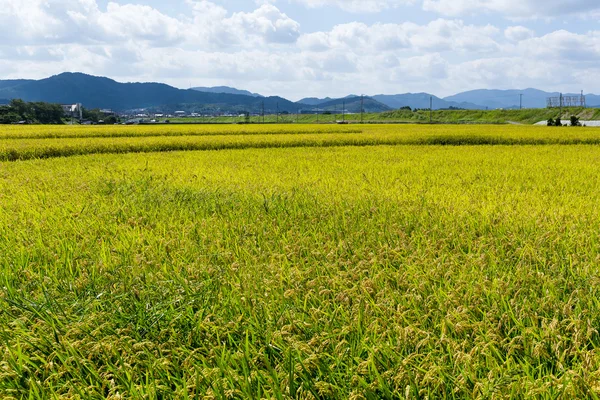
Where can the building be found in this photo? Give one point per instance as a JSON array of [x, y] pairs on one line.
[[73, 110]]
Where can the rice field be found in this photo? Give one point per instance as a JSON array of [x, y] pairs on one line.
[[339, 262], [24, 143]]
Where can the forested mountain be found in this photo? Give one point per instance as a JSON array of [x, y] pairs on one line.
[[99, 92], [227, 90], [421, 101]]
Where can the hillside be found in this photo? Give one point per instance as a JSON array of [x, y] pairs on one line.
[[352, 104], [99, 92], [226, 90], [12, 83], [421, 100], [525, 116], [314, 101], [532, 98]]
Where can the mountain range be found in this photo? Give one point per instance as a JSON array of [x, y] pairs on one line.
[[101, 92], [226, 90], [532, 98]]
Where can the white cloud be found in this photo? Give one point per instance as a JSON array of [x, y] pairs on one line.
[[266, 22], [77, 21], [518, 33], [358, 36], [438, 35], [33, 21], [357, 6], [266, 50], [563, 45], [138, 22], [523, 9]]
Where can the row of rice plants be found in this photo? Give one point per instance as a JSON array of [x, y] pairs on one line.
[[23, 149], [116, 131]]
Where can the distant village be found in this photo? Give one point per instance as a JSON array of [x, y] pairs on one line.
[[21, 112], [78, 114]]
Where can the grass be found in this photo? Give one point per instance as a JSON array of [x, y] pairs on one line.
[[498, 117], [389, 271]]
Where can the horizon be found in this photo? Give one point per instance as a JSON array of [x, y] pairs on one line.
[[309, 48], [308, 97]]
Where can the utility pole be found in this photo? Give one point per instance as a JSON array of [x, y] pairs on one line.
[[317, 115], [583, 100], [298, 116], [521, 101], [362, 107], [431, 109], [344, 112], [277, 112], [335, 113], [263, 112]]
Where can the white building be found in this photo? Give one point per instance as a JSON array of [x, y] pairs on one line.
[[73, 110]]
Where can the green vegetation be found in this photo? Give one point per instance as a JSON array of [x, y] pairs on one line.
[[391, 271], [37, 113], [97, 116], [526, 117]]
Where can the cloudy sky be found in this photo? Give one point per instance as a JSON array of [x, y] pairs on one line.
[[298, 48]]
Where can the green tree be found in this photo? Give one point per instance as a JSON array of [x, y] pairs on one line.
[[46, 113], [20, 107], [111, 120], [575, 121], [93, 115], [8, 116]]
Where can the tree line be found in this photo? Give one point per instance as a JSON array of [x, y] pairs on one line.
[[34, 112], [19, 111]]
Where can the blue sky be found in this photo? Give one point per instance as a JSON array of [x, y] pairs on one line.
[[299, 48]]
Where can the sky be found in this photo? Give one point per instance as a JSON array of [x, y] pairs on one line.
[[310, 48]]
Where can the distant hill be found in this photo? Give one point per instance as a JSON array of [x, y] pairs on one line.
[[227, 90], [471, 100], [493, 99], [11, 83], [592, 100], [421, 101], [100, 92], [532, 98], [314, 101], [352, 104]]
